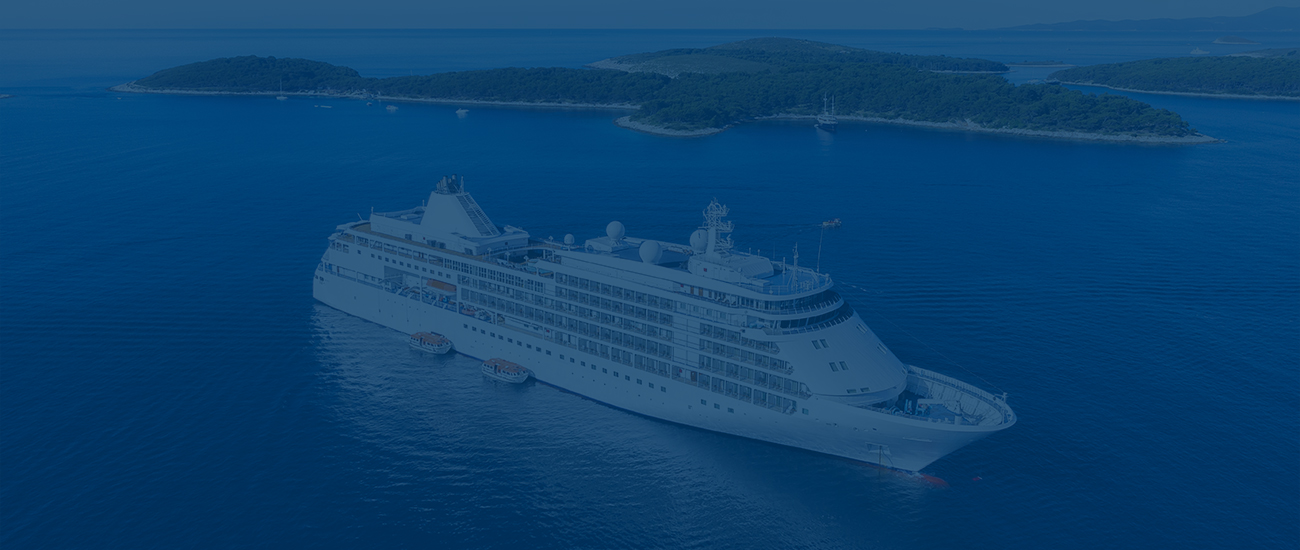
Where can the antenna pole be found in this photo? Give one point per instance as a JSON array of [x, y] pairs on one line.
[[819, 249]]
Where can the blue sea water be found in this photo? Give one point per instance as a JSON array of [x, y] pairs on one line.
[[166, 379]]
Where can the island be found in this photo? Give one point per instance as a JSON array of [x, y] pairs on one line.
[[1271, 74], [1279, 18], [1231, 39], [693, 92]]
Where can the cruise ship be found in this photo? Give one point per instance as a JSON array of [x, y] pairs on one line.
[[698, 334]]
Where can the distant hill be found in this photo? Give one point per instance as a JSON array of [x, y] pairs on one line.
[[1273, 19], [760, 54], [1271, 73]]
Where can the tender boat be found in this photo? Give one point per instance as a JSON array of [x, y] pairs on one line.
[[431, 342], [832, 223], [505, 371]]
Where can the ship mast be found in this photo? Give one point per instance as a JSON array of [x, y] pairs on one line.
[[713, 214]]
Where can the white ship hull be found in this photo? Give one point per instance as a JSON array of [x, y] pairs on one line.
[[892, 441]]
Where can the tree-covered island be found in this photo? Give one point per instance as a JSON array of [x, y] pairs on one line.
[[704, 90], [1264, 74]]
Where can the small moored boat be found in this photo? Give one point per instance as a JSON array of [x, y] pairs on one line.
[[431, 342], [832, 223], [505, 371]]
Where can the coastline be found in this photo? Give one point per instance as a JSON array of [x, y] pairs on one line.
[[130, 87], [626, 122], [1190, 94], [1053, 134]]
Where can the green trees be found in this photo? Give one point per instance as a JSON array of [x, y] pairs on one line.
[[253, 74], [1274, 76], [864, 83]]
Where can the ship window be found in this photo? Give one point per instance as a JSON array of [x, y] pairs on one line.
[[834, 368], [466, 326], [731, 410], [638, 381], [703, 402], [593, 367], [510, 340], [501, 337], [853, 391], [663, 389], [652, 385], [521, 342], [843, 366], [494, 335], [824, 344], [530, 346], [882, 349], [628, 378], [548, 352], [865, 390], [817, 345], [606, 371], [805, 411], [717, 406], [584, 363]]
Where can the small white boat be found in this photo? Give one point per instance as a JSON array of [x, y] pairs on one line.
[[391, 108], [431, 342], [831, 223], [462, 112], [281, 98], [505, 371]]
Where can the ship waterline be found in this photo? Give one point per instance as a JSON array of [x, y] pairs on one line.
[[696, 334]]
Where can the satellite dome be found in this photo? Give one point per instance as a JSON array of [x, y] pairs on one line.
[[700, 240], [568, 239], [650, 252], [615, 231]]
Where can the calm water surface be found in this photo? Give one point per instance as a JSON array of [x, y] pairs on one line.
[[168, 381]]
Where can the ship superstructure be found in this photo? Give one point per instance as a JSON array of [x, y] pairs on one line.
[[697, 333]]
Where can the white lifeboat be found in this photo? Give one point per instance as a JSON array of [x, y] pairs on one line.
[[505, 371], [431, 342]]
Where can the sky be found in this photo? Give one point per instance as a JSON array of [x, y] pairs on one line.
[[596, 14]]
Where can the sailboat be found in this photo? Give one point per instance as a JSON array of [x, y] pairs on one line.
[[281, 97], [827, 121]]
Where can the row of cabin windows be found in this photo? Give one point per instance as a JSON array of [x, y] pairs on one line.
[[615, 337], [753, 376], [736, 391], [843, 312], [498, 276], [734, 337], [616, 292], [555, 319], [614, 306], [539, 349], [412, 266], [747, 356]]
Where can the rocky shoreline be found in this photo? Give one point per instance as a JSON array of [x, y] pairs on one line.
[[1190, 94], [627, 122], [972, 127], [131, 87]]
